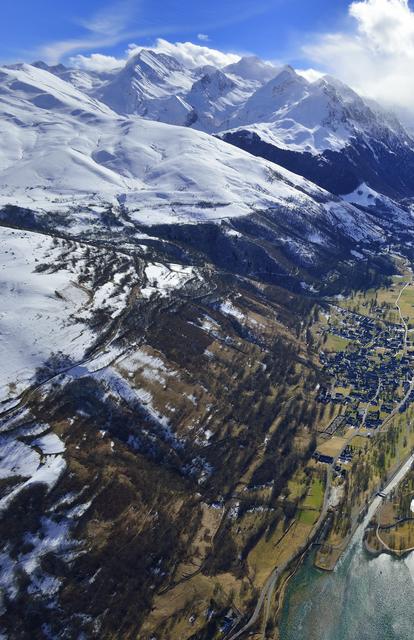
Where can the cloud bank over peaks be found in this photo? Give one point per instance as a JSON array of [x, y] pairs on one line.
[[98, 62], [189, 54]]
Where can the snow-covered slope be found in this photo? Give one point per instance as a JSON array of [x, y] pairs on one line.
[[327, 133], [303, 116], [41, 313], [62, 150], [87, 81]]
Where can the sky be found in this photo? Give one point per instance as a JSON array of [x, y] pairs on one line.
[[367, 43], [269, 28]]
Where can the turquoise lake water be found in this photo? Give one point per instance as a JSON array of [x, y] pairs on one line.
[[365, 598]]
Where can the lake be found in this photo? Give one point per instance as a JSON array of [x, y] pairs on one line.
[[365, 598]]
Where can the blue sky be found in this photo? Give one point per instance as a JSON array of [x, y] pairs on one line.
[[273, 29]]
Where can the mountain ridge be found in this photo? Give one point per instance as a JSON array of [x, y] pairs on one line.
[[321, 129]]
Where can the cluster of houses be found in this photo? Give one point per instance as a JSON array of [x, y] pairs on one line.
[[373, 371], [354, 327], [344, 458], [346, 455]]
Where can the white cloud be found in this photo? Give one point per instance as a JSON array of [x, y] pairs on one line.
[[111, 19], [387, 25], [311, 75], [108, 27], [53, 52], [203, 37], [377, 56], [96, 62], [189, 54]]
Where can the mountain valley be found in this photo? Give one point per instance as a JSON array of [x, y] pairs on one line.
[[180, 249]]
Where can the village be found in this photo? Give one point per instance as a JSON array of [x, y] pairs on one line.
[[366, 428], [370, 371]]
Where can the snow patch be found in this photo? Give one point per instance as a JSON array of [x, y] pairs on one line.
[[229, 309]]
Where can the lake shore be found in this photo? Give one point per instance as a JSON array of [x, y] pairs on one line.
[[306, 587]]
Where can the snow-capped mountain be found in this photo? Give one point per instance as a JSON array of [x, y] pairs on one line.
[[146, 77], [251, 68], [151, 84], [219, 93], [322, 130], [326, 132], [62, 150], [214, 97], [298, 115], [156, 86]]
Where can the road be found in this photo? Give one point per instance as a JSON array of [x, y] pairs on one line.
[[372, 401], [403, 322]]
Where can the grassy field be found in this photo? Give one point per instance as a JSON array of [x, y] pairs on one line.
[[359, 443], [308, 517], [384, 298], [399, 538], [180, 613], [296, 485], [336, 343], [332, 447], [283, 544], [269, 554], [407, 304], [314, 498], [344, 390]]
